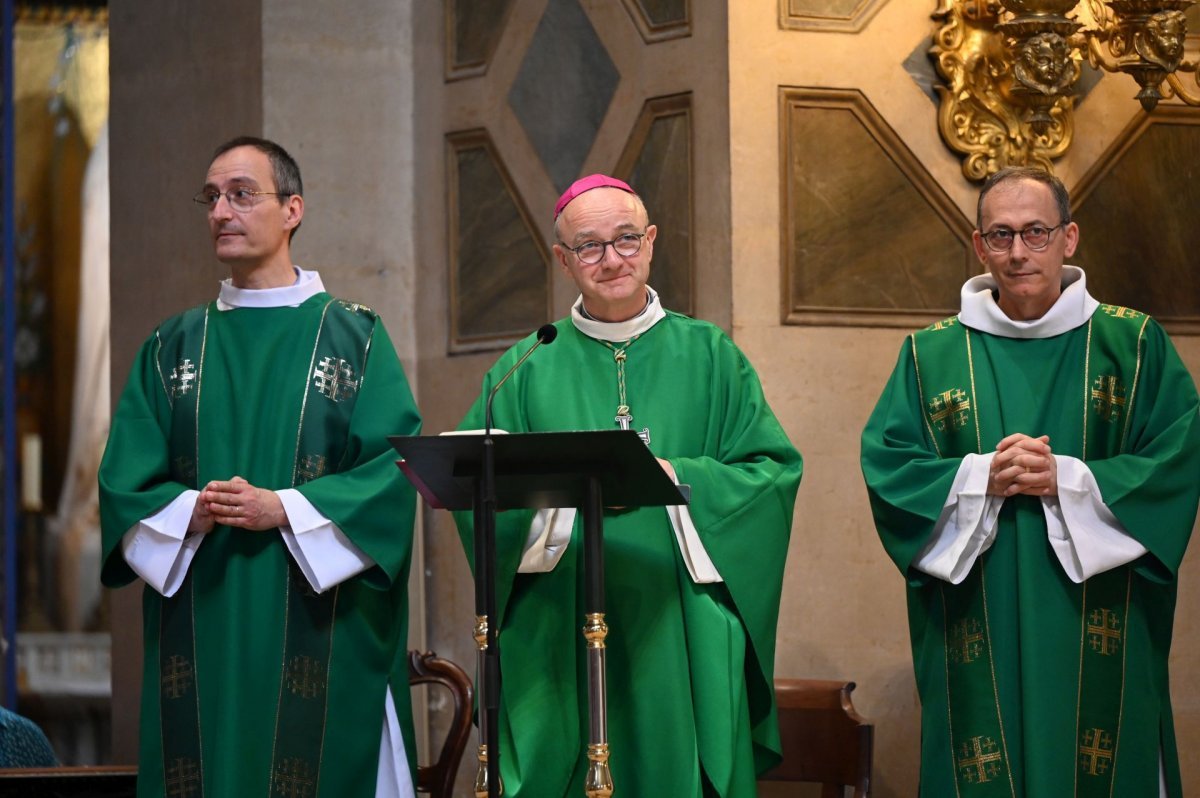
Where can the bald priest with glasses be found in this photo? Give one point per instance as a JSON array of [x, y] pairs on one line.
[[1033, 467], [692, 592], [249, 483]]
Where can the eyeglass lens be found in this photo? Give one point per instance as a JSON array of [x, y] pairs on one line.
[[626, 246]]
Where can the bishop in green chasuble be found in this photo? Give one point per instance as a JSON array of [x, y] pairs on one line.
[[1040, 622], [248, 481], [692, 593]]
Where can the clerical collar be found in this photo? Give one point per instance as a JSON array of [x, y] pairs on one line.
[[307, 284], [652, 314], [1072, 309]]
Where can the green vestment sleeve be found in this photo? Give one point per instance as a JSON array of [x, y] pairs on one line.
[[907, 481], [1152, 489]]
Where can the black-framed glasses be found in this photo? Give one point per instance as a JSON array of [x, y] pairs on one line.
[[240, 199], [626, 245], [1035, 237]]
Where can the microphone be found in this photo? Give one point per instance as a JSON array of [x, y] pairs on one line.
[[545, 335]]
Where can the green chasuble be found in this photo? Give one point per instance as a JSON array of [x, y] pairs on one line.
[[1031, 684], [253, 684], [689, 666]]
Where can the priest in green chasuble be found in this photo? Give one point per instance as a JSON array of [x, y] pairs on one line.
[[248, 481], [1033, 467], [692, 592]]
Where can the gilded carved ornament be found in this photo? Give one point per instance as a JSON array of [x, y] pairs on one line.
[[1010, 67]]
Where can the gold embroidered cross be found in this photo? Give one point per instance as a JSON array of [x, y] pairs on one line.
[[178, 678], [979, 760], [1109, 394], [1104, 632], [306, 677], [334, 378], [354, 307], [1118, 312], [183, 778], [953, 405], [966, 641], [182, 377], [311, 467], [293, 779], [1095, 752]]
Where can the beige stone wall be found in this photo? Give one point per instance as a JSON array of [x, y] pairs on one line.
[[844, 604]]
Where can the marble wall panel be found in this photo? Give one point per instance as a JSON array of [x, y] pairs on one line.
[[499, 266], [1136, 214], [868, 237], [832, 15], [473, 29], [657, 162], [563, 89], [661, 19]]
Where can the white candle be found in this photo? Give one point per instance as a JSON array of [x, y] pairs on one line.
[[31, 472]]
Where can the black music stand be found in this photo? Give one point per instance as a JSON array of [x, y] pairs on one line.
[[587, 470]]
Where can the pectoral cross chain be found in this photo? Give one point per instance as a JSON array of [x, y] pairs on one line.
[[624, 418]]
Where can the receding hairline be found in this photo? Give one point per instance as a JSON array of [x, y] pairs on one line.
[[1013, 176]]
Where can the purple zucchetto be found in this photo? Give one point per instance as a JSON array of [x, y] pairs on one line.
[[585, 184]]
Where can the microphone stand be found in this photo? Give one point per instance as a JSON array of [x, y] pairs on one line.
[[487, 777]]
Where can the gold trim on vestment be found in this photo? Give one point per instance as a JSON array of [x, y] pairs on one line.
[[975, 400], [1137, 370], [924, 416]]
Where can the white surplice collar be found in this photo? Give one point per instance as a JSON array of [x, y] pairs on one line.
[[1072, 309], [615, 331], [307, 285]]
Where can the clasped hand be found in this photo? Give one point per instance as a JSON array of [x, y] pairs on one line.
[[1023, 465], [236, 503]]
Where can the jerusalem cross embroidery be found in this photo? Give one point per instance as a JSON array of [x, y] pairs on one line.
[[1108, 396], [182, 377], [1095, 752], [177, 681], [183, 778], [1118, 312], [306, 677], [311, 467], [979, 760], [966, 641], [294, 778], [1104, 632], [952, 406], [335, 379], [354, 307]]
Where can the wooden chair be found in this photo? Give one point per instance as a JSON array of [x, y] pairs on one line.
[[824, 739], [428, 668]]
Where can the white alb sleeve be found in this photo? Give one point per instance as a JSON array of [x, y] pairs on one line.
[[967, 525], [1086, 537], [159, 549], [325, 555], [700, 566], [393, 779], [549, 534]]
